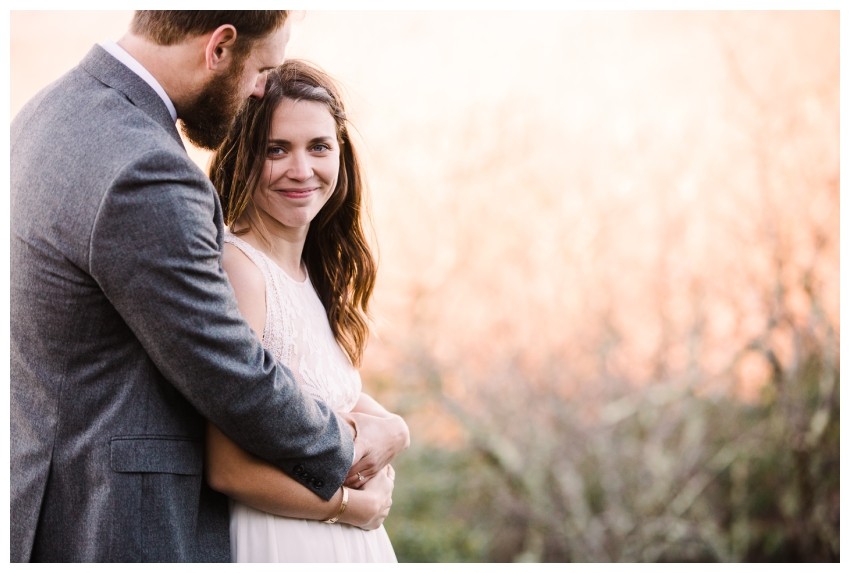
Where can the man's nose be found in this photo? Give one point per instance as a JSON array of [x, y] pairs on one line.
[[260, 86]]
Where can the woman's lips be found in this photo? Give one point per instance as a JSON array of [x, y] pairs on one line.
[[296, 193]]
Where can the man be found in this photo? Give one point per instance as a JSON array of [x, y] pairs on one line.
[[125, 335]]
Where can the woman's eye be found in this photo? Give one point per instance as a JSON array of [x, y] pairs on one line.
[[321, 147], [275, 151]]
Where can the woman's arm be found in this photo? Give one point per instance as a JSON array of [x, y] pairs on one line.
[[249, 480]]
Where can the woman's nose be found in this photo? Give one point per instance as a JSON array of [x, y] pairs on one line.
[[299, 167]]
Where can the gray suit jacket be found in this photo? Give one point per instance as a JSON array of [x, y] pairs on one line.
[[125, 337]]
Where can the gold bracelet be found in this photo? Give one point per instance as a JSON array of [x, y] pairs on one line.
[[342, 506]]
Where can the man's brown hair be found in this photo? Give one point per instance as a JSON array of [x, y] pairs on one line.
[[168, 27]]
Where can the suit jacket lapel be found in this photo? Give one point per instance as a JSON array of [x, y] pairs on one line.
[[100, 64]]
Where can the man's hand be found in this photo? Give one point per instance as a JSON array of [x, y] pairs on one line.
[[379, 440]]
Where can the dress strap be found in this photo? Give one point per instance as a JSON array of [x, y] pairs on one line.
[[255, 255], [266, 269]]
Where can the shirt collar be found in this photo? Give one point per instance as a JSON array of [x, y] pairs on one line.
[[125, 58]]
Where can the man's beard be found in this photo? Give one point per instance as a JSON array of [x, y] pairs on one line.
[[207, 119]]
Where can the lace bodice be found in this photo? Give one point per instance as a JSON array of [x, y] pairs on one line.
[[298, 334]]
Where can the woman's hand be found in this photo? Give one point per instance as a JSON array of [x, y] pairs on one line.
[[369, 506], [379, 440]]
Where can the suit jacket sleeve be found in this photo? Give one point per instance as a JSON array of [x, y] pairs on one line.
[[155, 251]]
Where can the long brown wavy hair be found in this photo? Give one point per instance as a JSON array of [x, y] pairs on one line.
[[337, 256]]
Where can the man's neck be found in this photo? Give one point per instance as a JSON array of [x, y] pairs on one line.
[[136, 67], [171, 66]]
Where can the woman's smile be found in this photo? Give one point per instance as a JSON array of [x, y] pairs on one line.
[[296, 193]]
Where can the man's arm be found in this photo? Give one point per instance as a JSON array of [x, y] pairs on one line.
[[155, 254]]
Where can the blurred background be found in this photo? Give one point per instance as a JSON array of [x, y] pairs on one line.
[[608, 302]]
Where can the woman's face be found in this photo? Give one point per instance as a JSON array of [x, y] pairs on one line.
[[302, 164]]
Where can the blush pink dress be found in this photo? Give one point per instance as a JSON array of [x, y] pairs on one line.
[[298, 334]]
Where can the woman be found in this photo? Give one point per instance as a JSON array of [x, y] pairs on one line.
[[291, 191]]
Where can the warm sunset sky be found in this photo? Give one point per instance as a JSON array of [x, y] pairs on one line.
[[531, 170]]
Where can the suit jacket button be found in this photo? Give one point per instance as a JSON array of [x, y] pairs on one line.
[[299, 470], [319, 483]]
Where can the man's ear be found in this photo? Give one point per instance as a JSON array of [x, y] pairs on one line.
[[219, 47]]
